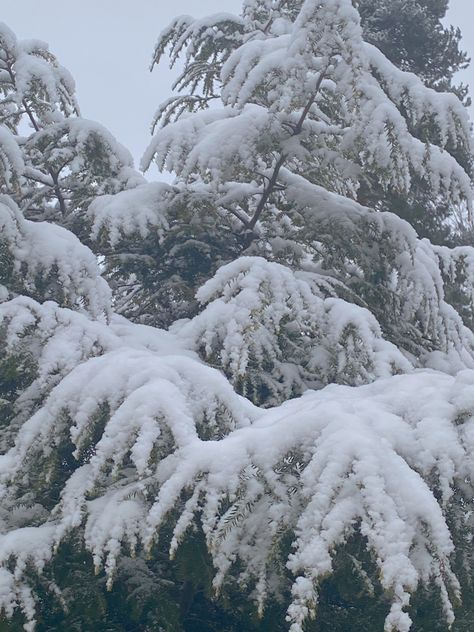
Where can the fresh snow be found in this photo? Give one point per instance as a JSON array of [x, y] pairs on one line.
[[364, 423]]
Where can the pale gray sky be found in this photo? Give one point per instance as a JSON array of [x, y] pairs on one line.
[[107, 46]]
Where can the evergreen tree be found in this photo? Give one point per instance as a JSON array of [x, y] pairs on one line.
[[65, 160], [413, 36], [350, 505]]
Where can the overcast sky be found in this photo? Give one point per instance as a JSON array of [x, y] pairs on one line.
[[107, 46]]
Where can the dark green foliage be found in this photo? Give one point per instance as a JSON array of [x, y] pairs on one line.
[[149, 595], [157, 595], [455, 283], [17, 371], [155, 280], [412, 35]]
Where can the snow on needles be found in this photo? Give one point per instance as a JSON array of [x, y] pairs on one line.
[[327, 295], [371, 458], [35, 250], [268, 329]]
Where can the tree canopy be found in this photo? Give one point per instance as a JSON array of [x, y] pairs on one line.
[[243, 399]]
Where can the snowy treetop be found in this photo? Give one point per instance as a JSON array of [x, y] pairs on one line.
[[306, 79], [30, 73]]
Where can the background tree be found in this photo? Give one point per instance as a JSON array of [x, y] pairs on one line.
[[414, 37]]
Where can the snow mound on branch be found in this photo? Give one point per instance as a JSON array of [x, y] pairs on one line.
[[195, 141], [410, 278], [35, 67], [42, 251], [269, 331], [136, 211], [405, 88], [82, 137], [57, 340], [381, 460]]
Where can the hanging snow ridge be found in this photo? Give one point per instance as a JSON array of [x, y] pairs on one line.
[[372, 459], [39, 250], [268, 330], [111, 215]]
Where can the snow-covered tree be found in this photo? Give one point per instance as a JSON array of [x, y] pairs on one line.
[[310, 113], [65, 160], [348, 477], [414, 36]]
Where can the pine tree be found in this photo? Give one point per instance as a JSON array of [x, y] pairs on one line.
[[412, 35], [350, 504], [66, 160]]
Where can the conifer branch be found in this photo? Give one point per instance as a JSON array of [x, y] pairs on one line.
[[272, 183]]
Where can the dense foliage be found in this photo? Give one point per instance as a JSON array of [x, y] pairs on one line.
[[413, 35], [242, 400]]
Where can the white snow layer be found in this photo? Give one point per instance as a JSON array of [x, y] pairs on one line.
[[374, 458], [38, 250], [383, 459]]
